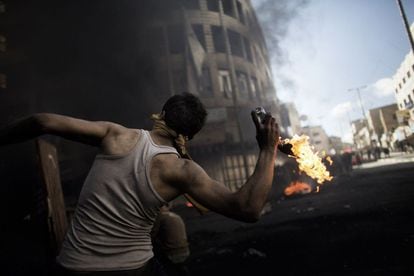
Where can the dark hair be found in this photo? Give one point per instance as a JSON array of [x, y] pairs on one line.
[[185, 114]]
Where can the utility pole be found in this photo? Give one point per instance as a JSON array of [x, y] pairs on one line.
[[358, 89], [406, 25], [365, 120]]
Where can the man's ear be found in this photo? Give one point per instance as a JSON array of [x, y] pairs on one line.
[[162, 114]]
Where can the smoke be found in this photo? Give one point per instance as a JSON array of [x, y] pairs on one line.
[[88, 59], [275, 18], [95, 60]]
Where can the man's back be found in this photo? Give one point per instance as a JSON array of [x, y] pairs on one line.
[[116, 210]]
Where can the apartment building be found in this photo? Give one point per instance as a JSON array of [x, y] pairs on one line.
[[404, 85], [318, 138], [216, 50], [290, 119]]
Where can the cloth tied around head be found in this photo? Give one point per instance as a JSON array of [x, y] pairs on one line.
[[180, 145], [179, 139]]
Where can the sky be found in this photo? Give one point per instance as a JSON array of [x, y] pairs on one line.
[[323, 49]]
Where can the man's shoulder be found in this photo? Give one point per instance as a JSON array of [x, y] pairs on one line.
[[118, 129], [174, 167], [169, 161], [120, 139]]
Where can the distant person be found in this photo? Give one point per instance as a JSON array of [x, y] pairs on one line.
[[358, 159], [136, 172], [386, 152], [346, 158], [377, 152], [369, 152], [170, 242], [337, 166], [401, 146]]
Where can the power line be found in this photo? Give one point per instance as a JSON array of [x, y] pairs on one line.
[[358, 89]]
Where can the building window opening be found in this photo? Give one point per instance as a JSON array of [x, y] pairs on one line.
[[199, 32], [228, 7], [248, 50], [213, 5], [218, 39], [408, 74], [240, 12], [242, 82], [206, 89], [253, 87], [225, 83], [235, 43], [191, 4], [403, 80]]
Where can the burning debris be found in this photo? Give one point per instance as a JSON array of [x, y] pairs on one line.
[[297, 187], [308, 161], [329, 159]]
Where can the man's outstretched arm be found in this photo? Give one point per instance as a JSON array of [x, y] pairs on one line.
[[87, 132], [247, 203]]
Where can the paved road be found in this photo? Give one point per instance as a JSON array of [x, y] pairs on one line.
[[361, 224]]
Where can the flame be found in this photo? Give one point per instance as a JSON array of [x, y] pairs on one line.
[[297, 187], [308, 161], [328, 158]]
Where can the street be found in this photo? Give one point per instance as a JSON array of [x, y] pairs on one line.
[[360, 224]]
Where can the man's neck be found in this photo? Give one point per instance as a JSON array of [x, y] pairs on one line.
[[161, 139]]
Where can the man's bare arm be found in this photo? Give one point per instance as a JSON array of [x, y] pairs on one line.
[[87, 132], [247, 203]]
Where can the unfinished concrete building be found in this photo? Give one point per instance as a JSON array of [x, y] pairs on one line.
[[317, 137], [290, 119], [216, 50], [383, 122]]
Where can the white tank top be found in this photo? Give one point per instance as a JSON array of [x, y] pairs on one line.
[[117, 207]]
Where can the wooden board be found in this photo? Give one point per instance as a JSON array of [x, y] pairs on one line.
[[55, 205]]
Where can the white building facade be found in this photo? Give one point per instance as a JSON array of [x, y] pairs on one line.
[[404, 86]]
